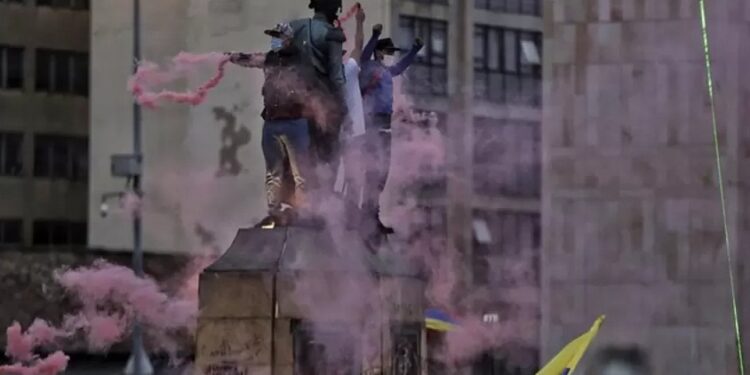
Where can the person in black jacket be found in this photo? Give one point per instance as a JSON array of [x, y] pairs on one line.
[[321, 44], [286, 139]]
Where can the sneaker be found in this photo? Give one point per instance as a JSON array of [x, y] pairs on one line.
[[267, 223]]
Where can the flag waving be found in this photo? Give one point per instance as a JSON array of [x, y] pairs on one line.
[[566, 361]]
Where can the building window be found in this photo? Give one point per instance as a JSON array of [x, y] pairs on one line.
[[11, 231], [529, 7], [59, 232], [11, 67], [507, 65], [62, 157], [429, 74], [62, 72], [507, 158], [513, 249], [70, 4], [10, 154]]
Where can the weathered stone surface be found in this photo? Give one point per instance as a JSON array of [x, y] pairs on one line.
[[633, 224]]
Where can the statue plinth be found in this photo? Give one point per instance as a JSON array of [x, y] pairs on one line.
[[292, 301]]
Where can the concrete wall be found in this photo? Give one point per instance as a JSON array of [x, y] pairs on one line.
[[632, 222], [29, 26], [184, 185]]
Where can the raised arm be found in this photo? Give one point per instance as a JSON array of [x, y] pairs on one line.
[[370, 47], [405, 61], [248, 60], [359, 36]]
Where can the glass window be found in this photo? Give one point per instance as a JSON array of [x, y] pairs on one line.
[[62, 72], [11, 231], [11, 156], [428, 76], [61, 157], [11, 67]]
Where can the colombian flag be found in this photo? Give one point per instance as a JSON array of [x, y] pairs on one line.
[[566, 361], [437, 320]]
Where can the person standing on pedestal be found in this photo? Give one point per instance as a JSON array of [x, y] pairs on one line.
[[376, 80], [322, 46], [286, 138]]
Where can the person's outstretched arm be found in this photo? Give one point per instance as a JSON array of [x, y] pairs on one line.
[[248, 60], [370, 47], [359, 36], [407, 60]]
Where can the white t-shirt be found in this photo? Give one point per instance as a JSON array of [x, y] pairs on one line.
[[356, 115], [354, 98]]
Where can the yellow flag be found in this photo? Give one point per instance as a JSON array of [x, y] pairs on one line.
[[566, 361]]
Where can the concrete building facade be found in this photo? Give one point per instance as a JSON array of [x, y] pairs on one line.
[[633, 223], [43, 123]]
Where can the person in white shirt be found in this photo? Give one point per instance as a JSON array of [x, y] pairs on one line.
[[350, 178]]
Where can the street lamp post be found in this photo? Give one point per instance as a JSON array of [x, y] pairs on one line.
[[138, 364]]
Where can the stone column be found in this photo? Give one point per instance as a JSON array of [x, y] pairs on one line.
[[631, 213]]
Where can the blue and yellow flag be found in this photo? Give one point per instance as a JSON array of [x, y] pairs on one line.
[[566, 361], [437, 320]]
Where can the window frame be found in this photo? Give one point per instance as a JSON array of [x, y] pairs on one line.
[[8, 222], [49, 65], [5, 138], [524, 76], [435, 63], [65, 4], [510, 152], [74, 150], [5, 64], [503, 6], [65, 228]]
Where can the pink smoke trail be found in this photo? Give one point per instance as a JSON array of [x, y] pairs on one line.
[[111, 297], [149, 75], [53, 364]]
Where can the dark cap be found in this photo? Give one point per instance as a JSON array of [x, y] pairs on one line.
[[386, 45]]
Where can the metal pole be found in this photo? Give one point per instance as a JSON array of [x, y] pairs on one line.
[[137, 351]]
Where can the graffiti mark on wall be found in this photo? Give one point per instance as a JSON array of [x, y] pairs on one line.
[[232, 138], [225, 368]]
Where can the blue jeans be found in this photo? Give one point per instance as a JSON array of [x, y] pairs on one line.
[[286, 147]]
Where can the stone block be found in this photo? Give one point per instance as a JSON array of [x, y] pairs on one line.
[[235, 295], [326, 297], [563, 44], [234, 368], [604, 10], [284, 342], [711, 304], [566, 302], [622, 303], [241, 341], [666, 303], [672, 351], [574, 11], [404, 299]]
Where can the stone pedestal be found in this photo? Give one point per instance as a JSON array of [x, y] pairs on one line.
[[294, 301]]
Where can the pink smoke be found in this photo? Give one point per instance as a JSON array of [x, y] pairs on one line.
[[51, 365], [148, 75], [111, 297]]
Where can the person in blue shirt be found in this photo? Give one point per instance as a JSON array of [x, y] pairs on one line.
[[376, 82]]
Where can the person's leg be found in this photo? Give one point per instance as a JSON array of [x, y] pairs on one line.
[[297, 143], [384, 164], [273, 153]]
